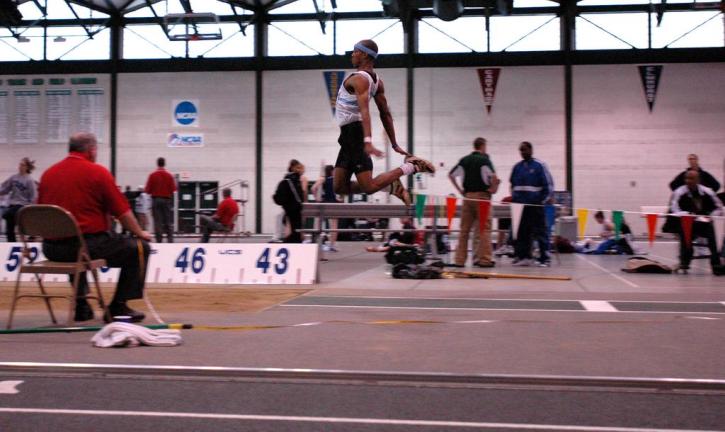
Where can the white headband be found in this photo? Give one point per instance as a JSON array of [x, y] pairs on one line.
[[366, 50]]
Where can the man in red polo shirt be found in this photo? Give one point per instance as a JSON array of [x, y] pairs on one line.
[[88, 191], [223, 219], [161, 186]]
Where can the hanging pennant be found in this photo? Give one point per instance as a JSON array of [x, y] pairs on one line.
[[686, 222], [419, 207], [581, 215], [651, 227], [617, 218], [484, 209], [650, 76], [517, 211], [450, 210], [333, 81], [431, 201]]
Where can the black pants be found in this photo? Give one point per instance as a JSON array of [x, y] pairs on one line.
[[9, 217], [294, 216], [208, 226], [163, 219], [699, 229], [532, 227], [118, 251]]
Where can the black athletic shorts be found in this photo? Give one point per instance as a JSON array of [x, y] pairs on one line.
[[352, 156]]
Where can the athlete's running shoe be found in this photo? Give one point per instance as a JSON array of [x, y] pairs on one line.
[[397, 189], [421, 165]]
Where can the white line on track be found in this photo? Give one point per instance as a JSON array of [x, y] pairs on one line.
[[491, 309], [345, 420], [632, 284], [9, 387], [598, 306], [500, 299]]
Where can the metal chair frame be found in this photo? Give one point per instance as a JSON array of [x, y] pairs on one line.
[[54, 222]]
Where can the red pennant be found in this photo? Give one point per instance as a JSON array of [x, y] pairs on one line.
[[686, 221], [484, 208], [488, 77], [450, 210], [651, 227]]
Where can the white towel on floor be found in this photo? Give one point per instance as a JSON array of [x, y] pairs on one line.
[[120, 334]]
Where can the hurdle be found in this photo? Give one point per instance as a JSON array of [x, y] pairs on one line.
[[322, 211]]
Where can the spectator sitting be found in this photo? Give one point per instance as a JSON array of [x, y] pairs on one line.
[[610, 244], [697, 200], [401, 238], [223, 219]]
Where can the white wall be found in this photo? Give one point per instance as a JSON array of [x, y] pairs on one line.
[[226, 119], [450, 113], [625, 156]]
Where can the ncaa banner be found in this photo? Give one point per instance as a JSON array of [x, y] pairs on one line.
[[333, 81], [184, 140], [650, 75], [488, 77], [185, 113]]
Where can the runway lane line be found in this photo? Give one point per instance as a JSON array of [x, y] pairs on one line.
[[343, 420], [496, 309]]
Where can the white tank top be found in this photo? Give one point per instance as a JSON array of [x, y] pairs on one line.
[[346, 108]]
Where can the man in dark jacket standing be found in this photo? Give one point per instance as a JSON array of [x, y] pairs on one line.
[[531, 183]]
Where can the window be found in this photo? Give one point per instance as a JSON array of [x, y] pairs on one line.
[[150, 41], [299, 38], [611, 31], [672, 31], [232, 44], [29, 47], [298, 6], [461, 35], [72, 43], [525, 33], [357, 6], [387, 33]]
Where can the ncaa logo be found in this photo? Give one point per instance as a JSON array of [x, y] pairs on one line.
[[174, 140], [186, 113]]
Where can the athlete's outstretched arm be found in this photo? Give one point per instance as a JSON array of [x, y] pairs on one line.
[[362, 87], [387, 118]]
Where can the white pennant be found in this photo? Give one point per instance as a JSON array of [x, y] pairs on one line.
[[516, 211]]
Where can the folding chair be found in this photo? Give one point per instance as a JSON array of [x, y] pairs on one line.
[[53, 222]]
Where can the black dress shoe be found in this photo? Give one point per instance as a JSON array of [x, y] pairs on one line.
[[453, 265], [84, 312], [488, 264], [121, 309]]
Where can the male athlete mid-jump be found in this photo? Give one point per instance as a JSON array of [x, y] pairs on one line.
[[356, 143]]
